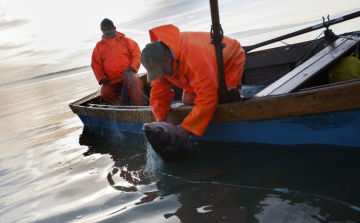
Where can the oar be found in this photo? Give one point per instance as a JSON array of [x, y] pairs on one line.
[[305, 30], [217, 36]]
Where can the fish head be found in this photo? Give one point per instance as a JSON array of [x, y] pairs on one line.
[[160, 134], [162, 138]]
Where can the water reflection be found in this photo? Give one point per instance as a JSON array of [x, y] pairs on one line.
[[235, 182], [133, 176], [126, 150]]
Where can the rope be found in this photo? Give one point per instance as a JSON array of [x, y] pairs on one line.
[[282, 190]]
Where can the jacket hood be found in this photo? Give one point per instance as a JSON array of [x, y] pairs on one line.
[[118, 35], [170, 35]]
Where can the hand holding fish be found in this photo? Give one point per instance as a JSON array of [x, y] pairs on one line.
[[181, 132], [172, 143]]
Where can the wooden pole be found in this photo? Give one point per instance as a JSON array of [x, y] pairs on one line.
[[305, 30], [216, 39]]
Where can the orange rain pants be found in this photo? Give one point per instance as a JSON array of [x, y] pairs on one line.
[[113, 92]]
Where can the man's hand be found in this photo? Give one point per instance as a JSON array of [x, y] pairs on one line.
[[181, 132], [130, 69], [104, 81]]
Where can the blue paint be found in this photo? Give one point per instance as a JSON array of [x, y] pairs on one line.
[[134, 127], [335, 128]]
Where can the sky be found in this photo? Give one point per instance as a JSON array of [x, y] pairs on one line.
[[45, 36]]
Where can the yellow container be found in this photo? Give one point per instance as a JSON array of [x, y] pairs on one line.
[[347, 68]]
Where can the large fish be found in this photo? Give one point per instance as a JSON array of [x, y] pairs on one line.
[[162, 138]]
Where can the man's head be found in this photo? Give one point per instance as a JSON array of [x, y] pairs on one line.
[[108, 29], [157, 60]]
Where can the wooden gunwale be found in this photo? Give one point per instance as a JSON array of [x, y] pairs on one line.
[[342, 96], [130, 115]]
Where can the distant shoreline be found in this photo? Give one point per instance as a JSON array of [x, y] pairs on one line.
[[47, 76]]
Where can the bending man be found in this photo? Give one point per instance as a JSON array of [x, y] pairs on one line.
[[115, 62], [188, 60]]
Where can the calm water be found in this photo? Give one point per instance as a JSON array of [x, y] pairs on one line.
[[51, 170]]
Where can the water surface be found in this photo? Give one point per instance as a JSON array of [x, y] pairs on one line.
[[53, 170]]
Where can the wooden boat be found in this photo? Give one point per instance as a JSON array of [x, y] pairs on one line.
[[296, 105]]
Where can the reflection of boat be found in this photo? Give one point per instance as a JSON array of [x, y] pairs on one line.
[[125, 150], [231, 183], [295, 104]]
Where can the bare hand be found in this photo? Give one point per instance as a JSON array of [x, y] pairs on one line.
[[181, 132]]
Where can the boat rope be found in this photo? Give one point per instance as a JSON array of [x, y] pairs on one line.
[[310, 51], [313, 46], [285, 43], [282, 190]]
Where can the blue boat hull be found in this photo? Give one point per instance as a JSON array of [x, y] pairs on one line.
[[334, 128]]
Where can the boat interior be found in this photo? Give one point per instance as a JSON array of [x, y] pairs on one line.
[[281, 70]]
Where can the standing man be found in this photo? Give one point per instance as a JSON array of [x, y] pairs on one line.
[[188, 60], [115, 62]]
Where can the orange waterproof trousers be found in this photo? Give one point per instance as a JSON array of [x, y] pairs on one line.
[[114, 94]]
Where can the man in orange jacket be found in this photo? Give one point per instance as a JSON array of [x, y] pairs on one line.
[[115, 62], [188, 60]]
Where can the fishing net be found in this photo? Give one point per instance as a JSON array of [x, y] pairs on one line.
[[132, 92], [128, 92], [248, 90], [154, 164]]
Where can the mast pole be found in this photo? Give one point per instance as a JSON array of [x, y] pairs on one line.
[[216, 39]]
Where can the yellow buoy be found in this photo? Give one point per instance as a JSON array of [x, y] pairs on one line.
[[347, 68]]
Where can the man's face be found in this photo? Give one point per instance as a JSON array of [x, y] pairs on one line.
[[168, 65], [109, 32]]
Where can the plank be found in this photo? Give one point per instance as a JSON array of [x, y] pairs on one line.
[[295, 78]]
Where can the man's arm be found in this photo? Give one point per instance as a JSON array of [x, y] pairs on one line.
[[161, 97], [135, 54], [97, 67], [203, 80]]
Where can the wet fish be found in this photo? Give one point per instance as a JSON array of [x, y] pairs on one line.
[[162, 138]]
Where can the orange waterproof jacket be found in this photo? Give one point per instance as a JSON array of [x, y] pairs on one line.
[[111, 56], [195, 71]]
